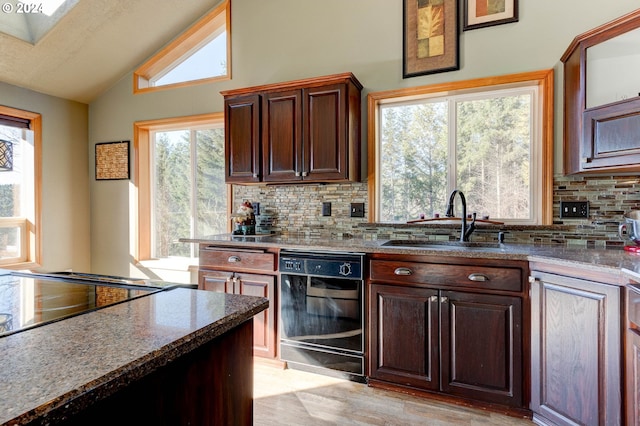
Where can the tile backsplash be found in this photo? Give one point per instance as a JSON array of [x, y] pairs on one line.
[[298, 209]]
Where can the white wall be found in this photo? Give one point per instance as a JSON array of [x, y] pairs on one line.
[[65, 177], [280, 40]]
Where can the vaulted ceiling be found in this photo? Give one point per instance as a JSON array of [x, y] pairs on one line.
[[96, 44]]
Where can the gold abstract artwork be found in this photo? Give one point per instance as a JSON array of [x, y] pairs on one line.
[[430, 28]]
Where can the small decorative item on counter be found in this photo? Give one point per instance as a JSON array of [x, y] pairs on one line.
[[245, 220]]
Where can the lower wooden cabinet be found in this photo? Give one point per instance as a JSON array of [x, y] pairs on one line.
[[632, 356], [264, 336], [403, 335], [481, 347], [575, 351], [462, 344], [245, 271], [433, 327]]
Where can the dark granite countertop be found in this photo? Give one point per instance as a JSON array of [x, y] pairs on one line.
[[59, 368], [614, 261]]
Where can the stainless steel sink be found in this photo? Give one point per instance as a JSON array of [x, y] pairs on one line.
[[445, 245]]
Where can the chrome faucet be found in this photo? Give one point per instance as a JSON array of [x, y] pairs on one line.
[[466, 231]]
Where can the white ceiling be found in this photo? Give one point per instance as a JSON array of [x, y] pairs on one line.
[[96, 44]]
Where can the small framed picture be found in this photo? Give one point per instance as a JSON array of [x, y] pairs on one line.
[[487, 13], [430, 37], [112, 160]]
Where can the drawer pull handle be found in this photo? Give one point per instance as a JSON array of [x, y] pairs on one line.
[[402, 271], [478, 277], [233, 259]]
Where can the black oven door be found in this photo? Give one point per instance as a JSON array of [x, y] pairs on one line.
[[322, 311]]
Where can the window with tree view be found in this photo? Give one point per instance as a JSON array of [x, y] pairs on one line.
[[19, 187], [486, 143], [189, 192]]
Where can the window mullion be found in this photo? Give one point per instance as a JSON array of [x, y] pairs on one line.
[[154, 192], [194, 185], [452, 137]]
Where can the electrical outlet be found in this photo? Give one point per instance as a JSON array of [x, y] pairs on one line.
[[357, 209], [326, 209], [574, 209]]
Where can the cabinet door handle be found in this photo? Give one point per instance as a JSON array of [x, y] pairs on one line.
[[444, 299], [233, 259], [304, 173], [298, 174], [478, 277], [402, 271], [433, 299]]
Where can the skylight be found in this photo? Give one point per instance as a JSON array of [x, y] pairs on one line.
[[30, 21], [48, 6]]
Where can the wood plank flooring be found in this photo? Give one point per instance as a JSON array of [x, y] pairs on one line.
[[292, 397]]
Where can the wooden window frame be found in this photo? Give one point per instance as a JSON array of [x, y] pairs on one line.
[[32, 223], [142, 131], [544, 80], [212, 22]]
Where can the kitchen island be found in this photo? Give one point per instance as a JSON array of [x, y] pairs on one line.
[[177, 356]]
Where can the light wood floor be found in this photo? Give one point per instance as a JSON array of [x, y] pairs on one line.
[[292, 397]]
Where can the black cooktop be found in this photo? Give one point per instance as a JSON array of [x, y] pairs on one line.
[[31, 300]]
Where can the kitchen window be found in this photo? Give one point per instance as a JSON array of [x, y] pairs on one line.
[[201, 54], [490, 138], [182, 192], [20, 133]]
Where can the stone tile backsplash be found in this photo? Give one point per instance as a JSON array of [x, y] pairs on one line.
[[298, 209]]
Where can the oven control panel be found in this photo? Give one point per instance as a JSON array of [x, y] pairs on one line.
[[291, 265], [321, 265]]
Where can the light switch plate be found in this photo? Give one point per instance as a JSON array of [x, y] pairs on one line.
[[326, 208], [574, 209], [357, 209]]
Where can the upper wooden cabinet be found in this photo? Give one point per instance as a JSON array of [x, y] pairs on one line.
[[602, 99], [298, 131]]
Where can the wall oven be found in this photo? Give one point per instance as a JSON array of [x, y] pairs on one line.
[[322, 312]]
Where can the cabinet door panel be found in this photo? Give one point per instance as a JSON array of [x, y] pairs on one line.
[[325, 132], [218, 281], [242, 139], [403, 335], [482, 347], [633, 375], [282, 136], [575, 351], [264, 336], [607, 141]]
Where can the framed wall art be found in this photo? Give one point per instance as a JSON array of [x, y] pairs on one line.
[[112, 160], [487, 13], [430, 39]]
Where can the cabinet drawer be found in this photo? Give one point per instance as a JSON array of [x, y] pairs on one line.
[[484, 277], [218, 257]]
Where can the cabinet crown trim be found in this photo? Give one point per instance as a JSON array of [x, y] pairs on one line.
[[308, 82], [587, 36]]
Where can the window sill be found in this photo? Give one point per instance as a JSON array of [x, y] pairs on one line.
[[23, 266]]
